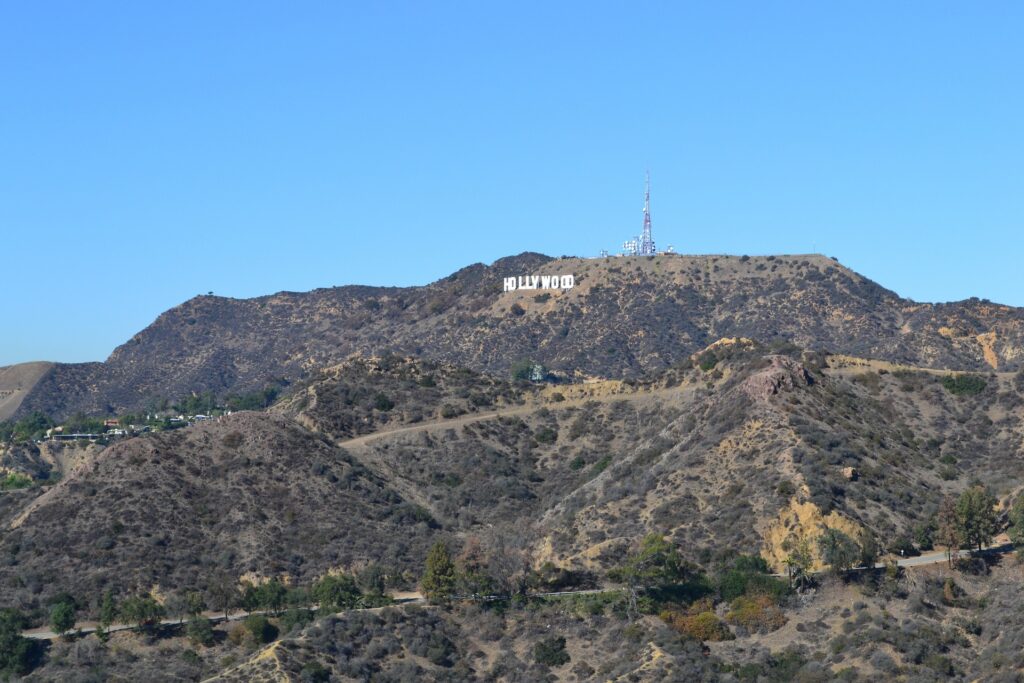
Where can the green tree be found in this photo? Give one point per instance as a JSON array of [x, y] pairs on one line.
[[656, 564], [224, 593], [1016, 530], [16, 651], [976, 516], [839, 551], [271, 595], [108, 609], [62, 617], [869, 550], [336, 592], [33, 426], [194, 603], [799, 563], [439, 575], [143, 611], [108, 613], [251, 600], [260, 628]]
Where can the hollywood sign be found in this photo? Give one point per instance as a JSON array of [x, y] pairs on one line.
[[540, 282]]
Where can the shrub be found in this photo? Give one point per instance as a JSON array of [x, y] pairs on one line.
[[199, 631], [703, 626], [15, 481], [706, 361], [546, 435], [757, 614], [314, 672], [295, 618], [963, 385], [260, 628], [786, 488], [551, 652]]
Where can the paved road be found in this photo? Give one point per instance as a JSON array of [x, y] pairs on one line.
[[938, 556]]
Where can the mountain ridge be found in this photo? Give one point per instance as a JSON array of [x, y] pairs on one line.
[[626, 317]]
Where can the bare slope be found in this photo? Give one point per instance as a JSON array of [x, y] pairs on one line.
[[16, 382], [625, 318]]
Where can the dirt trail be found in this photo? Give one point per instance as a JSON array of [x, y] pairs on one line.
[[463, 420], [411, 491]]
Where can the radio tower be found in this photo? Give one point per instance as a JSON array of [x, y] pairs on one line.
[[646, 241]]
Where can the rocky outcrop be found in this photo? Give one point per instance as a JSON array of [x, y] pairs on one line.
[[783, 374]]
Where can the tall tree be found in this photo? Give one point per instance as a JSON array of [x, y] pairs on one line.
[[143, 611], [656, 564], [976, 516], [194, 602], [1017, 520], [15, 650], [439, 575], [473, 579], [799, 563], [868, 549], [947, 528], [272, 595], [839, 551], [224, 593], [336, 592], [62, 617]]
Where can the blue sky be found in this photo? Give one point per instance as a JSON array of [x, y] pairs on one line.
[[154, 151]]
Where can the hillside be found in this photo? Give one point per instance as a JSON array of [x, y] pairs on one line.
[[626, 317], [16, 381], [743, 448], [248, 494]]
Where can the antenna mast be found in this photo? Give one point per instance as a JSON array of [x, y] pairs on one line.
[[646, 241]]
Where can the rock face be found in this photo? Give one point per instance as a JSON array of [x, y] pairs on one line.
[[784, 374], [625, 317]]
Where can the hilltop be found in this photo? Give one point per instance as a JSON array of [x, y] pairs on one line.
[[627, 317]]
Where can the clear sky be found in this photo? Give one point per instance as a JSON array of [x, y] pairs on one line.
[[153, 151]]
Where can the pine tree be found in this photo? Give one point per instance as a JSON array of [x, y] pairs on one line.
[[108, 610], [439, 577]]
